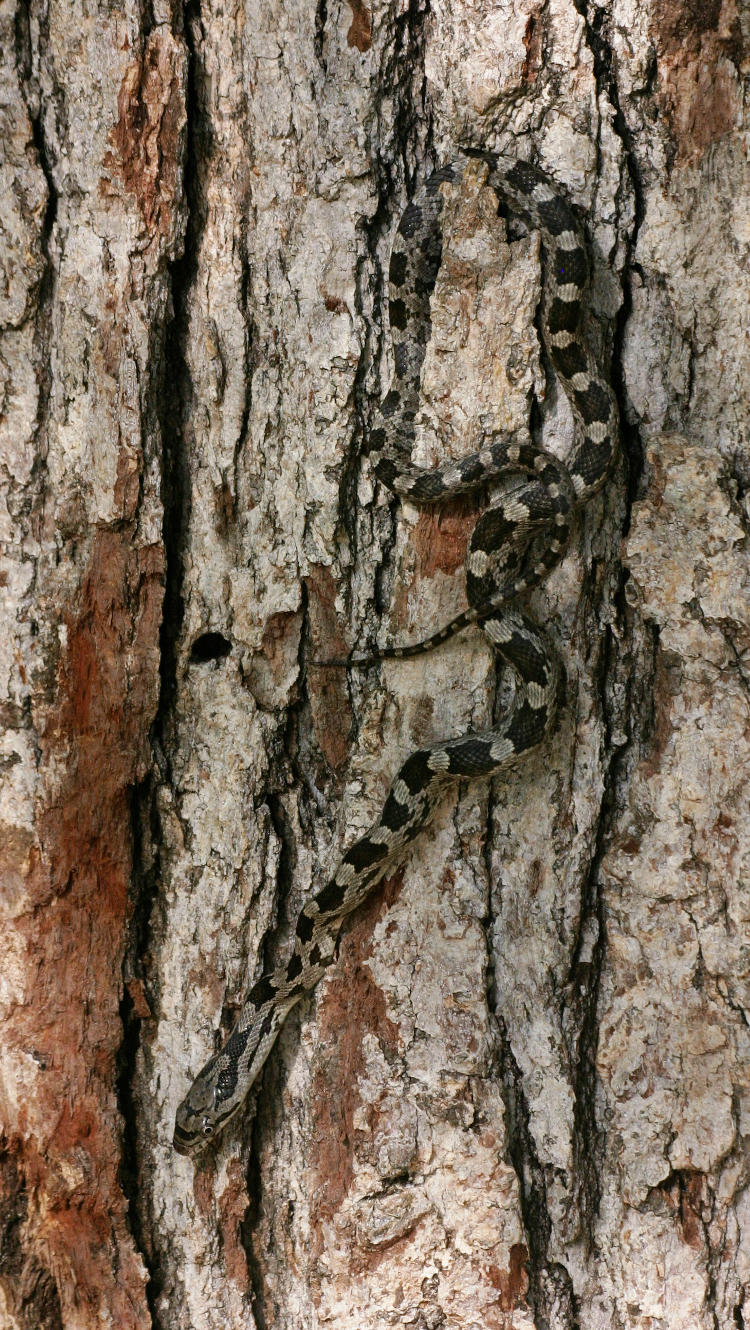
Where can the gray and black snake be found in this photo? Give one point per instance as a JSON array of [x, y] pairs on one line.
[[514, 544]]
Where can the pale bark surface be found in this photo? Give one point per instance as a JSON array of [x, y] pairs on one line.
[[521, 1097]]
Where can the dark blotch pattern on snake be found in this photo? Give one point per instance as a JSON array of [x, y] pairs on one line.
[[513, 546]]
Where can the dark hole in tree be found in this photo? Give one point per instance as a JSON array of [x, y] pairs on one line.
[[210, 646]]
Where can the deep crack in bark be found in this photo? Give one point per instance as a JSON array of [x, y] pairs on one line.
[[172, 395], [550, 1286]]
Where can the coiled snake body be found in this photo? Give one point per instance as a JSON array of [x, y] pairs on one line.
[[513, 546]]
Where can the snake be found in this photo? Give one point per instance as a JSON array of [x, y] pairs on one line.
[[515, 543]]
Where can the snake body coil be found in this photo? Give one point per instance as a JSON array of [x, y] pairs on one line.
[[513, 546]]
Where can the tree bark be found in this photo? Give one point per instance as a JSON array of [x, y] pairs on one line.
[[521, 1096]]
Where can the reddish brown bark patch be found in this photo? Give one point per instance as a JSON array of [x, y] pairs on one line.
[[360, 31], [438, 545], [352, 1007], [127, 490], [667, 687], [701, 52], [329, 694], [149, 136], [512, 1283], [93, 749], [232, 1212], [334, 304], [109, 677], [280, 643], [441, 535], [30, 1290], [533, 45], [686, 1194]]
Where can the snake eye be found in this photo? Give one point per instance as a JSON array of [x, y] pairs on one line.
[[207, 1129]]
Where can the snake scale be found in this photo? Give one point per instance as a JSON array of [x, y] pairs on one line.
[[514, 544]]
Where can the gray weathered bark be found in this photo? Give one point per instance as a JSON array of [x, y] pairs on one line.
[[520, 1098]]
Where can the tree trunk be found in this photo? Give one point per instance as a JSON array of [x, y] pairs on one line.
[[521, 1097]]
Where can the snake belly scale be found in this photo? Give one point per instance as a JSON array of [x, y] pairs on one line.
[[514, 544]]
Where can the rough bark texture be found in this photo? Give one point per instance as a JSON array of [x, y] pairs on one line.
[[522, 1096]]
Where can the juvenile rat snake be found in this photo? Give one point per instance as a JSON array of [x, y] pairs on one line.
[[514, 544]]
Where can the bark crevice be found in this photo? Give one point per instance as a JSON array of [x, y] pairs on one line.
[[550, 1287]]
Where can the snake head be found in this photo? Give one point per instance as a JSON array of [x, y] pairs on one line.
[[217, 1093], [199, 1116]]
